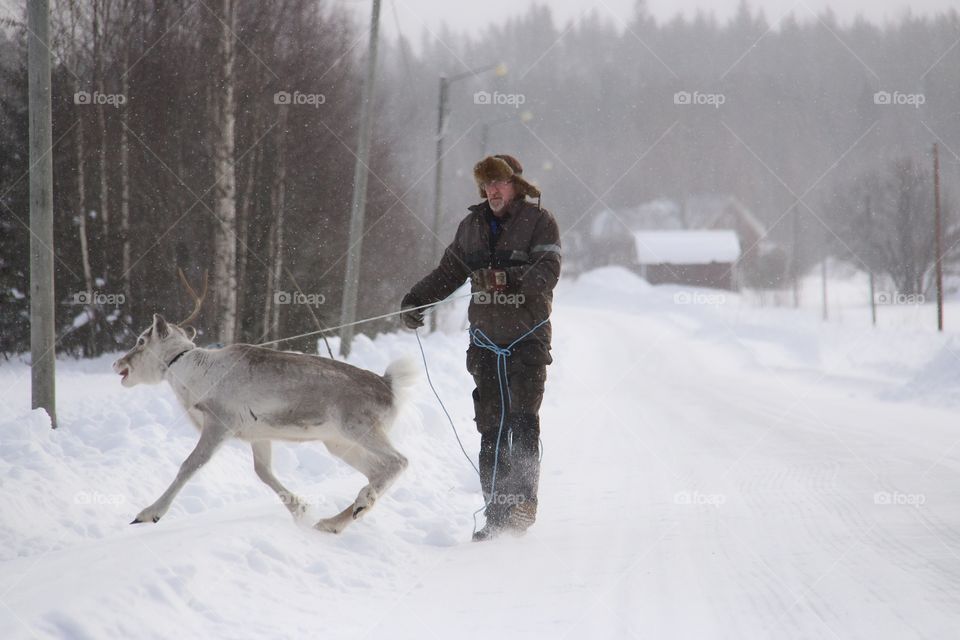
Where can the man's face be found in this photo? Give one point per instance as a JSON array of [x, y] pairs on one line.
[[499, 194]]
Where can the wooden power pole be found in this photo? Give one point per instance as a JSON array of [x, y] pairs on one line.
[[42, 328], [938, 240], [351, 280]]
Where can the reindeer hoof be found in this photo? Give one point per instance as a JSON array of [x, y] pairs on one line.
[[358, 511], [137, 520], [327, 526], [298, 510]]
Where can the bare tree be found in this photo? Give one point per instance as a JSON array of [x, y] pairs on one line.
[[127, 19], [73, 50], [896, 203], [223, 22], [100, 26], [271, 315]]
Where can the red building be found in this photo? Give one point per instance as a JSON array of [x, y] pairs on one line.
[[696, 258]]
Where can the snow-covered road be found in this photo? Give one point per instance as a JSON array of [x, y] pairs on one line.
[[710, 471]]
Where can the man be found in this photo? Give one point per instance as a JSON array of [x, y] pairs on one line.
[[510, 249]]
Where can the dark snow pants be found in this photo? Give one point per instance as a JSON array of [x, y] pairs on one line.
[[518, 461]]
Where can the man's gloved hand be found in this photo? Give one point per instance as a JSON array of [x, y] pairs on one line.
[[412, 319], [489, 280]]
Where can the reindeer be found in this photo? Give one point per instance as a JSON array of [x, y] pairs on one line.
[[260, 395]]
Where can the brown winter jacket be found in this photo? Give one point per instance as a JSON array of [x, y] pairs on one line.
[[528, 248]]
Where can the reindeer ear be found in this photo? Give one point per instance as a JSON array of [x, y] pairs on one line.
[[160, 325]]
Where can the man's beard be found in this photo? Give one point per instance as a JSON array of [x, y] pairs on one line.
[[497, 204]]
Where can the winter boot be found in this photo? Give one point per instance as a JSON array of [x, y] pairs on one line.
[[521, 516], [488, 532]]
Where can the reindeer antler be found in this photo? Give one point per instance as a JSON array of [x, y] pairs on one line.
[[197, 299]]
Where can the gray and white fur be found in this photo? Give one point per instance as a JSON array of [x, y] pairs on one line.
[[260, 395]]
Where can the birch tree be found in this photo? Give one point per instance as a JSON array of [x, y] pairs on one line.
[[223, 22]]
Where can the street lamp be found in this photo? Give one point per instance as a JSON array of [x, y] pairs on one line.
[[501, 70]]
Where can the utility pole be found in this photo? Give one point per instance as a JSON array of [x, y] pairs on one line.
[[873, 296], [351, 280], [438, 168], [823, 285], [42, 328], [938, 240], [795, 257]]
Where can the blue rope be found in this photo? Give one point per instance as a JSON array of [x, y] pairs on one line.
[[449, 419], [481, 340]]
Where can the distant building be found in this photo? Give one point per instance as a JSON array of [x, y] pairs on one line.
[[613, 239], [696, 258]]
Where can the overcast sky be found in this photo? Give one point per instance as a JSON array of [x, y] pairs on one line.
[[413, 15]]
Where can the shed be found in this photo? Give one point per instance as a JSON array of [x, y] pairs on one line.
[[701, 258]]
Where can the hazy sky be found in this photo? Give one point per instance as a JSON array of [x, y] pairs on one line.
[[413, 15]]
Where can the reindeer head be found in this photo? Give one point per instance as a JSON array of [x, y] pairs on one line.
[[156, 347]]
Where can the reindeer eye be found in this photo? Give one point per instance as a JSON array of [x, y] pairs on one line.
[[140, 342]]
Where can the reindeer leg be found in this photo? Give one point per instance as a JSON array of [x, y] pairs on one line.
[[213, 435], [261, 464]]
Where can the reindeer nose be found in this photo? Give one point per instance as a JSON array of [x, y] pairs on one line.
[[116, 366]]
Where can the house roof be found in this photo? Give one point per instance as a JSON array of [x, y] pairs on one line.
[[686, 247], [708, 211]]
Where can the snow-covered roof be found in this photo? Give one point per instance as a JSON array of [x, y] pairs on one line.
[[686, 247]]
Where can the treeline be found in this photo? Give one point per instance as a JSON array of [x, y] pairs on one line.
[[790, 117], [213, 138], [217, 138]]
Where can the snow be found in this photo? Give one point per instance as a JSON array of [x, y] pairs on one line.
[[710, 471], [80, 320], [686, 247]]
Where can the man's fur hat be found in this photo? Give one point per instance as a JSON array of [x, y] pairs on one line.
[[503, 167]]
